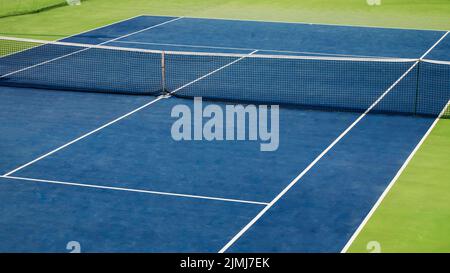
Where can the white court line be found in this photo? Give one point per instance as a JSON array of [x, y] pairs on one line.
[[118, 119], [73, 35], [322, 154], [85, 49], [20, 51], [105, 125], [212, 72], [297, 23], [133, 190], [257, 49], [213, 54], [108, 25], [83, 136], [391, 184]]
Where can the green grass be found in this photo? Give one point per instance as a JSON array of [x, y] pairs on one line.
[[64, 21], [415, 215], [18, 7]]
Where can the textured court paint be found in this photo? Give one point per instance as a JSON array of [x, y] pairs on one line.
[[414, 215], [139, 152], [265, 36], [37, 217], [442, 51], [303, 37], [331, 240], [323, 210], [408, 220], [108, 33], [33, 122], [211, 49]]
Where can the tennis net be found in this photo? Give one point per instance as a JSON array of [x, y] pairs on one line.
[[407, 86]]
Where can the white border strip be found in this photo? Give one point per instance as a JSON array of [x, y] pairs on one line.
[[133, 190], [322, 154], [391, 184], [212, 54], [298, 23]]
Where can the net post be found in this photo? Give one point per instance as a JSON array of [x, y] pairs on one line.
[[416, 99], [163, 73]]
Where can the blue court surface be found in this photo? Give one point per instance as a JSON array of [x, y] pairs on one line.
[[103, 169]]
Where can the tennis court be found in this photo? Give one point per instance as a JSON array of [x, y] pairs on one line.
[[88, 156]]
